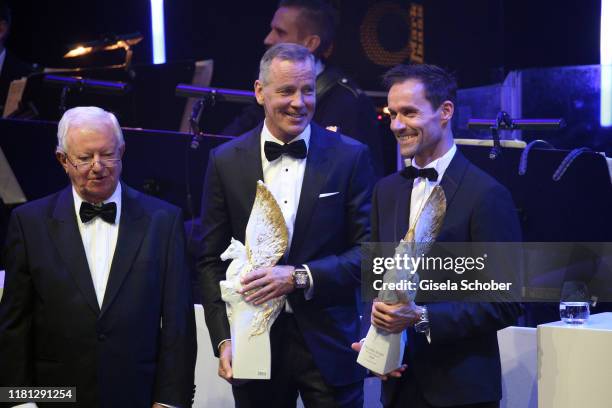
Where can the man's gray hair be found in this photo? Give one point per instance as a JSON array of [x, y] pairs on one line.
[[284, 52], [83, 115]]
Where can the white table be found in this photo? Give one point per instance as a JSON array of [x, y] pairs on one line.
[[575, 364], [518, 351]]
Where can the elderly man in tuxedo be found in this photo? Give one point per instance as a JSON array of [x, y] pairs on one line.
[[322, 182], [97, 294]]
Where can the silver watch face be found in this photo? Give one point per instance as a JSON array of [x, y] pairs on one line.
[[422, 326], [301, 278]]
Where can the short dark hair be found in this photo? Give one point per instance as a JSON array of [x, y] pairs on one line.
[[320, 17], [5, 12], [440, 85]]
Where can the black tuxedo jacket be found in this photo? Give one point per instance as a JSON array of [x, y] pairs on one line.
[[326, 237], [139, 347], [461, 364]]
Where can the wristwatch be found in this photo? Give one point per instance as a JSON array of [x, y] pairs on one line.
[[422, 326], [300, 277]]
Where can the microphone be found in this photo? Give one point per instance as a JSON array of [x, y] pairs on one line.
[[92, 85], [220, 94], [194, 123]]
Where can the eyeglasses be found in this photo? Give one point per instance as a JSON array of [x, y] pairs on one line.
[[86, 165]]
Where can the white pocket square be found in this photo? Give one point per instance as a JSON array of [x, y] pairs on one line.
[[328, 194]]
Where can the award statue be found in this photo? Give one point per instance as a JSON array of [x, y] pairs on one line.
[[382, 352], [266, 240]]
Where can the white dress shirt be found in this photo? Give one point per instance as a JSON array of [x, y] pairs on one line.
[[99, 240], [422, 187], [284, 177]]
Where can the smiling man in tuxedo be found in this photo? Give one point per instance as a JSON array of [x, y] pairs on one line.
[[452, 356], [341, 103], [322, 182], [97, 293]]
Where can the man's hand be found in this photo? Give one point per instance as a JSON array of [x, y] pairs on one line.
[[225, 361], [395, 318], [397, 373], [267, 283]]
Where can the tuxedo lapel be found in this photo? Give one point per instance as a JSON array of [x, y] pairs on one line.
[[315, 175], [248, 160], [65, 235], [453, 176], [132, 227], [402, 208]]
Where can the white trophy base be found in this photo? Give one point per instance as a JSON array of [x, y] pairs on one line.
[[251, 355], [382, 352]]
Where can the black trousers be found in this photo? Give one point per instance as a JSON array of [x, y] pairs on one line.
[[406, 394], [294, 371]]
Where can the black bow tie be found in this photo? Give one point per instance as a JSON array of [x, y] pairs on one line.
[[296, 149], [107, 212], [412, 173]]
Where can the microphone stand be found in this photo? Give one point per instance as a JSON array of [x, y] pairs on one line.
[[503, 121], [194, 120]]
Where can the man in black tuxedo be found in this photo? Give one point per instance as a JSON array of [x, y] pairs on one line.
[[341, 103], [97, 294], [452, 356], [11, 67], [322, 182]]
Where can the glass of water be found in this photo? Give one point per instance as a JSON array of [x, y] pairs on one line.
[[574, 306]]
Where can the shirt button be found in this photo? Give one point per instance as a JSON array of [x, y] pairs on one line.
[[285, 201], [286, 169]]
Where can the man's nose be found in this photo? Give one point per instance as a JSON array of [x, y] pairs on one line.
[[397, 125], [297, 101], [270, 39], [96, 165]]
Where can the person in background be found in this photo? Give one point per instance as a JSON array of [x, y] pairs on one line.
[[11, 67], [341, 104]]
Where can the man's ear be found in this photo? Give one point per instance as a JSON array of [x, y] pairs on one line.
[[61, 158], [447, 109], [259, 92], [312, 42], [121, 150]]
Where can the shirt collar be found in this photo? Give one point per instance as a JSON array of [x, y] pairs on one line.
[[114, 198], [267, 136], [440, 164]]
